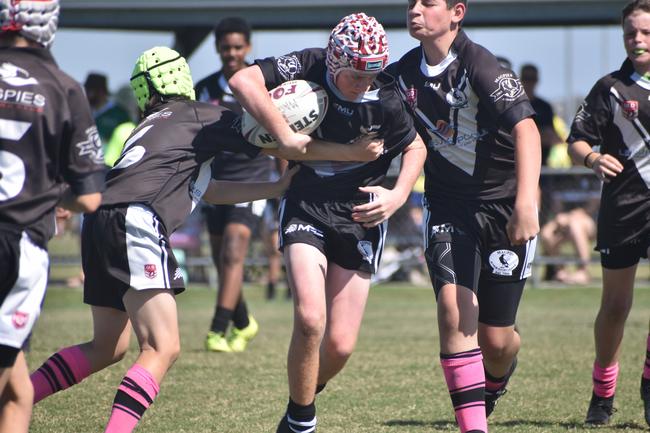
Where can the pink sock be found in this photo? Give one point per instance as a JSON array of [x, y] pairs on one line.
[[65, 368], [605, 380], [134, 395], [646, 367], [466, 382]]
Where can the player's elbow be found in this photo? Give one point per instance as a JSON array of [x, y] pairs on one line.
[[242, 79], [88, 203]]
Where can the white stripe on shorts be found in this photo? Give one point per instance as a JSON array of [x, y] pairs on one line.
[[146, 249], [21, 307], [527, 269], [283, 203]]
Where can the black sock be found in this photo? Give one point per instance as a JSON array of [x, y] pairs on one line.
[[301, 418], [240, 316], [221, 320], [270, 290]]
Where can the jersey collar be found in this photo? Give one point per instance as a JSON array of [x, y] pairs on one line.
[[435, 70], [370, 96], [640, 80]]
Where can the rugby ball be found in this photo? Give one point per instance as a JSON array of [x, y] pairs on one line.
[[303, 105]]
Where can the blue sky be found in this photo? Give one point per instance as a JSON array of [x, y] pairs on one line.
[[570, 59]]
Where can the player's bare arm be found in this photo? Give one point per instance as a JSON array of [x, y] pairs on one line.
[[365, 148], [248, 86], [524, 222], [605, 166], [86, 203], [389, 200], [226, 192]]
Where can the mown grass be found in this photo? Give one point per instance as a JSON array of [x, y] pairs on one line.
[[393, 383]]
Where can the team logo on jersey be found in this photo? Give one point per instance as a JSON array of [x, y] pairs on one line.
[[630, 109], [92, 147], [508, 88], [456, 98], [582, 114], [15, 76], [150, 271], [19, 319], [288, 66], [503, 262], [365, 248], [412, 97]]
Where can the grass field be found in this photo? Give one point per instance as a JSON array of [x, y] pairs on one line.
[[393, 383]]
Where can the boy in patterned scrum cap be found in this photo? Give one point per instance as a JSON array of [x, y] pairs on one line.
[[333, 216]]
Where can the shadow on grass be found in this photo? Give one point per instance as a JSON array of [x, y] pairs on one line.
[[448, 425]]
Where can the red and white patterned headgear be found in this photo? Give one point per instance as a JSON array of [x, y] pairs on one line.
[[358, 42], [36, 20]]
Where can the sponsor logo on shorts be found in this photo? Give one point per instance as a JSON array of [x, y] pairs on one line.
[[303, 228], [150, 271], [503, 262], [365, 248], [178, 274], [442, 228], [19, 319]]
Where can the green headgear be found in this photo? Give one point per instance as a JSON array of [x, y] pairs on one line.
[[165, 71]]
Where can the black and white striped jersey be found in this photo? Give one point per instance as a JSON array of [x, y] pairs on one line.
[[214, 90], [379, 110], [166, 162], [464, 109], [47, 138], [616, 116]]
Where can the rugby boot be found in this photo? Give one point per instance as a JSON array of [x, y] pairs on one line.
[[645, 396], [216, 342], [600, 410], [491, 397], [239, 338]]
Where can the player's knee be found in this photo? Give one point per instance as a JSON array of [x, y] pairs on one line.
[[339, 348], [310, 324], [616, 309], [495, 349]]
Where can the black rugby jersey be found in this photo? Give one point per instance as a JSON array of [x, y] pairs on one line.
[[47, 138], [214, 90], [616, 116], [166, 161], [464, 110], [380, 110]]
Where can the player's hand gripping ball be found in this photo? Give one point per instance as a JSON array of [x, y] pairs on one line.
[[303, 105]]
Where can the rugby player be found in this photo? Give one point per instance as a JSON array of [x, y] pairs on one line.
[[50, 155], [231, 226], [481, 180], [610, 136], [333, 216], [132, 276]]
